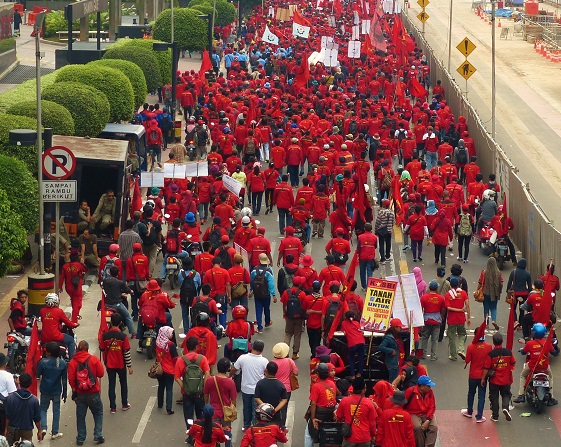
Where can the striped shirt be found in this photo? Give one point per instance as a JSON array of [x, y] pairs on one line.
[[126, 240]]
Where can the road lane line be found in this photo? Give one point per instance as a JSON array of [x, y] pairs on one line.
[[144, 420], [290, 421], [398, 234], [403, 267]]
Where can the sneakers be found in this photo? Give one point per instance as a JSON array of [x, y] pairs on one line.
[[295, 356], [462, 355], [465, 261], [495, 325], [520, 399], [482, 419], [44, 433], [452, 358], [508, 417], [113, 411], [495, 419], [269, 324], [459, 258], [126, 407], [57, 436], [551, 402], [139, 350], [99, 440], [465, 413], [420, 259]]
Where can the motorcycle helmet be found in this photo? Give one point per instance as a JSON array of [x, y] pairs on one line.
[[265, 412], [539, 330], [246, 220], [246, 211], [113, 248], [52, 300], [239, 312], [23, 443], [189, 217], [202, 319], [226, 130]]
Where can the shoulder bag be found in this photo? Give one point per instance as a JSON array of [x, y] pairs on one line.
[[510, 295], [478, 294], [294, 384], [347, 430], [155, 370], [240, 344], [230, 411], [139, 284]]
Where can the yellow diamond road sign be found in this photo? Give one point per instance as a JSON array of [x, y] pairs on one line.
[[466, 47], [466, 70], [423, 3], [423, 16]]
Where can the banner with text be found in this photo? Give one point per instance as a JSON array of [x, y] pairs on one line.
[[378, 305]]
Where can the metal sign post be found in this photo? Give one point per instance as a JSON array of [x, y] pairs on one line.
[[423, 16], [465, 70]]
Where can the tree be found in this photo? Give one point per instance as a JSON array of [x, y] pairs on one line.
[[88, 106], [142, 57], [27, 154], [225, 11], [191, 33], [22, 190], [53, 115], [110, 81], [12, 234], [162, 57]]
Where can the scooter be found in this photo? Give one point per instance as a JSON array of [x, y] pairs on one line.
[[501, 252], [173, 266], [300, 232], [483, 239], [17, 346], [538, 392], [191, 151]]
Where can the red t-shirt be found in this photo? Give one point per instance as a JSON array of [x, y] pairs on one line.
[[503, 362], [535, 351], [328, 274], [203, 263], [180, 365], [51, 317], [228, 393], [432, 303], [290, 245], [364, 422], [312, 302], [352, 332], [217, 277], [367, 243], [324, 393], [476, 355], [456, 299]]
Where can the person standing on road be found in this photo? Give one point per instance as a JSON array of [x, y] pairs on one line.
[[286, 368], [384, 228], [126, 241], [491, 281], [501, 361], [416, 228], [150, 232], [476, 354], [166, 353], [434, 306], [53, 375], [7, 387], [283, 199], [22, 413], [395, 428], [313, 306], [520, 280], [270, 390], [263, 287], [253, 366], [457, 303], [323, 399], [390, 347], [86, 393], [367, 244], [117, 357], [422, 408], [72, 277], [292, 301], [138, 271]]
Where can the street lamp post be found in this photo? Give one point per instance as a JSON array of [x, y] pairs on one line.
[[164, 46], [209, 19], [493, 67], [450, 36]]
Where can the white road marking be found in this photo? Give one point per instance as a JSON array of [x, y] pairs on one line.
[[290, 421], [144, 420]]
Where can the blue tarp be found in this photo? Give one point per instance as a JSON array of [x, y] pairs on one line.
[[503, 12]]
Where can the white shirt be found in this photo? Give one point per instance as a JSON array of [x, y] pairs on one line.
[[7, 384], [253, 367]]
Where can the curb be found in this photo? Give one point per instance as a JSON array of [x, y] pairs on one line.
[[9, 69]]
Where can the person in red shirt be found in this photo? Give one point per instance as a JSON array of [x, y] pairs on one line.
[[549, 277], [308, 272], [225, 212], [355, 342], [416, 227], [259, 245], [359, 413], [330, 273], [503, 363], [477, 352], [72, 277], [203, 261], [283, 199], [207, 343], [137, 271], [323, 399], [256, 186], [434, 307], [271, 179], [442, 235], [289, 245], [502, 225], [320, 208], [200, 429], [313, 306], [422, 408], [221, 284], [457, 303], [395, 427], [367, 244], [339, 247], [116, 351], [263, 433], [52, 317], [239, 276]]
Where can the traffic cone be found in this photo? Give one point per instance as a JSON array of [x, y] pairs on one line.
[[499, 25]]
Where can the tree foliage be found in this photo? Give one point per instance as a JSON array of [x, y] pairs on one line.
[[110, 81], [132, 72], [22, 190], [142, 57], [88, 106], [225, 11], [12, 234], [163, 57], [190, 32], [53, 115], [24, 90], [27, 154]]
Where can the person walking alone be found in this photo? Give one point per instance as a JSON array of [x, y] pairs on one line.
[[491, 281]]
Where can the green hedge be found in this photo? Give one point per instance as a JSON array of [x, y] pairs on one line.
[[142, 57], [12, 234], [163, 57], [205, 8], [27, 154], [191, 33], [225, 11], [110, 81], [52, 115], [132, 72], [25, 90], [22, 190], [88, 106]]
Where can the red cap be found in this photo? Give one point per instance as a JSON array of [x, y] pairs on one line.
[[289, 230], [339, 230], [465, 207], [261, 230], [225, 238], [396, 322]]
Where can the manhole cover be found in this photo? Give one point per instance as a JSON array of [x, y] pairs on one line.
[[23, 73]]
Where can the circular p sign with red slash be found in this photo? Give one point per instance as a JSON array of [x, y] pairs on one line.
[[59, 163]]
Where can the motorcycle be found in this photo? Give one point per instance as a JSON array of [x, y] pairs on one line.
[[484, 239], [501, 252], [538, 391], [173, 266], [191, 151], [17, 345], [300, 232]]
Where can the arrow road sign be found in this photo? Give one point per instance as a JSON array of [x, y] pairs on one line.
[[466, 47]]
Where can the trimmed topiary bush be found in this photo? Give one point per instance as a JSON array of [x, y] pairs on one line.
[[142, 57], [110, 81], [88, 106], [22, 190], [190, 31], [132, 72], [12, 234], [225, 11], [205, 8], [163, 57], [27, 154], [25, 90], [52, 115]]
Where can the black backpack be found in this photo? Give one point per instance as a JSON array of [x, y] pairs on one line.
[[260, 284], [331, 313], [153, 237], [198, 307], [214, 238], [294, 309], [401, 134], [188, 290], [462, 156], [225, 259]]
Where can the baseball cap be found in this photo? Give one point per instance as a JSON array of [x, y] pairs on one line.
[[425, 380]]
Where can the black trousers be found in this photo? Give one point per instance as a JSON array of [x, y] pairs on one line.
[[494, 392], [314, 339], [112, 374]]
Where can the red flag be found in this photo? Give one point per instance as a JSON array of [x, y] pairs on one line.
[[397, 34], [337, 7], [479, 333], [347, 287], [542, 314], [398, 202], [417, 90], [303, 74], [510, 327], [504, 217], [102, 322], [206, 65], [33, 357], [136, 204], [366, 46], [300, 19]]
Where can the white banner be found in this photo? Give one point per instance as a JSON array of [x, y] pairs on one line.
[[269, 37], [355, 35], [407, 300], [300, 30], [150, 179], [330, 57], [356, 18], [388, 5], [365, 29], [331, 21], [354, 49], [232, 185], [198, 169], [271, 12]]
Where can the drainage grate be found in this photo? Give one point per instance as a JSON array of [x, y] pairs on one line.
[[23, 73]]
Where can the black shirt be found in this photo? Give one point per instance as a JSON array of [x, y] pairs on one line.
[[272, 391], [113, 289]]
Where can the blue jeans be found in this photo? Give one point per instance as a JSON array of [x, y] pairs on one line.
[[95, 405], [249, 406], [365, 272], [293, 173], [46, 399], [285, 219], [489, 307], [165, 383], [127, 319], [356, 354], [243, 301], [473, 386], [192, 406], [263, 306], [181, 255], [223, 317], [185, 317], [203, 211], [68, 340], [431, 160]]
